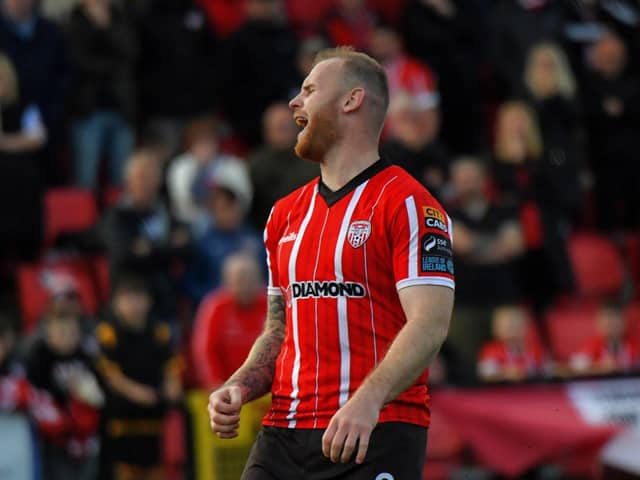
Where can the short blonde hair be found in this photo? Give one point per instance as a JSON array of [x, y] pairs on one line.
[[362, 70], [8, 72], [533, 136], [565, 79]]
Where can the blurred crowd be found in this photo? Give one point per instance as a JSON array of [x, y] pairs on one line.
[[521, 116]]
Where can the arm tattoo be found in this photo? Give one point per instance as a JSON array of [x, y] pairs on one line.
[[256, 374]]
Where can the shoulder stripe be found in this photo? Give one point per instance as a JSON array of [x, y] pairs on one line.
[[413, 236]]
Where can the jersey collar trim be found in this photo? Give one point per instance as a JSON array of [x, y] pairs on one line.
[[330, 197]]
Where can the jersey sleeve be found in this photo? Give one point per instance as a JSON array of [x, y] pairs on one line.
[[421, 243], [271, 245]]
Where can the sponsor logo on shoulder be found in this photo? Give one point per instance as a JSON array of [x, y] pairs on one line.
[[432, 212], [434, 218], [288, 238], [358, 233], [431, 222], [436, 254]]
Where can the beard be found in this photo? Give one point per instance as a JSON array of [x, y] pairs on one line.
[[319, 136]]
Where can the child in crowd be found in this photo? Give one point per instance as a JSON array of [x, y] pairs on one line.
[[59, 365], [512, 356], [142, 376], [610, 350]]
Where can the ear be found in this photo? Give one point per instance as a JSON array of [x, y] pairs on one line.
[[353, 100]]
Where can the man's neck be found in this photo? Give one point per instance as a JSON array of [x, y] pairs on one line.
[[342, 164]]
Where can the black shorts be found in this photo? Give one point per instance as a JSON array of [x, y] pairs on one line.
[[396, 452]]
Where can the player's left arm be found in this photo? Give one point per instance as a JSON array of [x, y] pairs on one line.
[[428, 311]]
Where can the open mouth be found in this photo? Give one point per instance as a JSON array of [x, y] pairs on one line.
[[301, 122]]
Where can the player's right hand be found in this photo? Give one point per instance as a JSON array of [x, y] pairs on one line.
[[224, 411]]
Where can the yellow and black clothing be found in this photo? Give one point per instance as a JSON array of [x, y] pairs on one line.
[[132, 432]]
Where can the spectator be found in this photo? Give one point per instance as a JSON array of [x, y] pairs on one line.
[[413, 144], [229, 198], [448, 35], [512, 356], [37, 49], [515, 27], [275, 169], [229, 320], [65, 301], [18, 395], [178, 50], [142, 376], [58, 365], [22, 137], [540, 189], [610, 351], [103, 52], [488, 244], [404, 73], [551, 91], [140, 234], [201, 143], [612, 98], [351, 22], [265, 43]]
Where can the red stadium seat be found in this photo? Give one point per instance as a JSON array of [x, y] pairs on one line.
[[632, 257], [597, 265], [632, 315], [68, 210], [38, 282], [570, 325]]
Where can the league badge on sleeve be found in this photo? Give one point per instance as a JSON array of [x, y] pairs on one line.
[[358, 233]]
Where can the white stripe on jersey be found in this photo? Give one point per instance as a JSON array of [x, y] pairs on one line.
[[343, 326], [294, 312], [366, 277], [271, 289], [412, 282], [413, 237], [315, 317]]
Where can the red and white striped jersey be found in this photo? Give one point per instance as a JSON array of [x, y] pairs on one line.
[[339, 258]]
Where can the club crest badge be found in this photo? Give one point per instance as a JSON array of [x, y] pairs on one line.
[[358, 233]]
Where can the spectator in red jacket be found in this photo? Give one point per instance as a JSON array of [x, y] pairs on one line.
[[229, 320], [511, 356], [610, 351]]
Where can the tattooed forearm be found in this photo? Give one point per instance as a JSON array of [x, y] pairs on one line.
[[256, 374]]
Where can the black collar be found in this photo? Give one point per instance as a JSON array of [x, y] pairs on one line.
[[331, 197]]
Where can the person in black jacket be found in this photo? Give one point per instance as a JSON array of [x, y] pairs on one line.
[[142, 377], [257, 67], [447, 35], [103, 52], [141, 235], [22, 137], [176, 71], [37, 49], [612, 100]]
